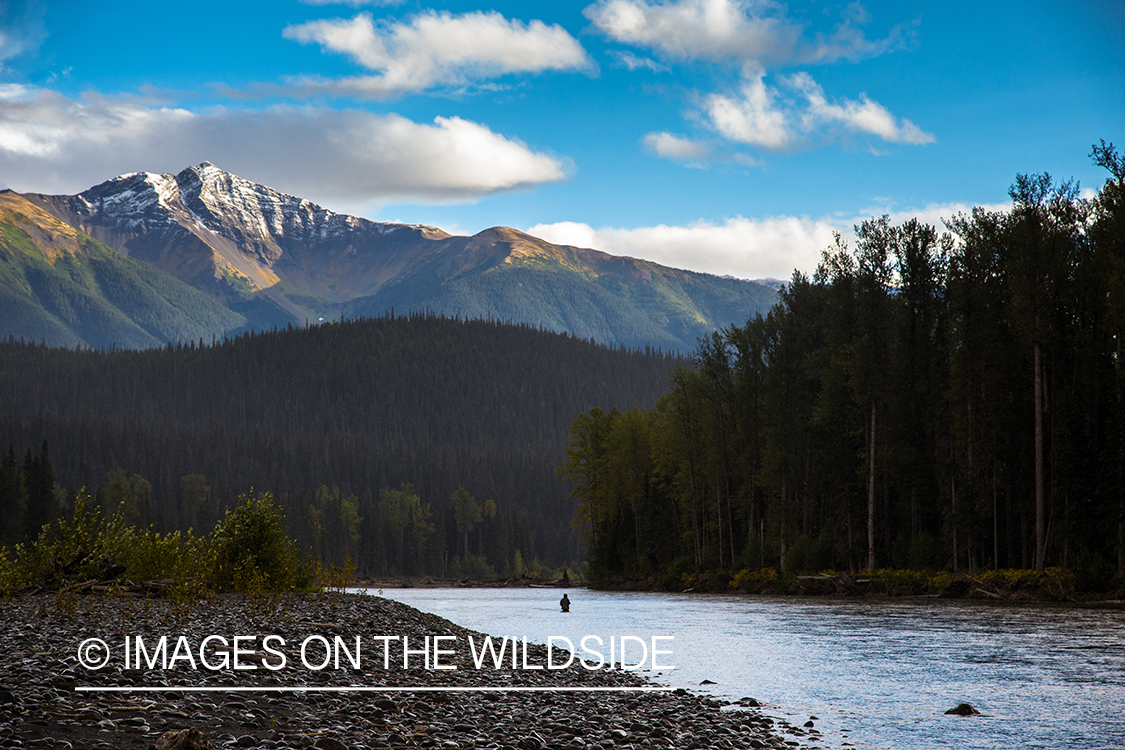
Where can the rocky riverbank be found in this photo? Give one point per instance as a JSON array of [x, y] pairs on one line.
[[42, 706]]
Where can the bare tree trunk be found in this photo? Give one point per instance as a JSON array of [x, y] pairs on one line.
[[694, 516], [730, 526], [1040, 532], [805, 501], [953, 513], [719, 518], [781, 564], [685, 420], [871, 496], [762, 543], [1121, 459], [995, 525]]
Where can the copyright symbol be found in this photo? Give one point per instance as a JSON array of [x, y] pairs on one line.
[[93, 653]]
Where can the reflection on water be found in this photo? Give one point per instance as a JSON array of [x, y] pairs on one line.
[[878, 674]]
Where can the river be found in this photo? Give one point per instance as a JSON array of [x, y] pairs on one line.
[[876, 674]]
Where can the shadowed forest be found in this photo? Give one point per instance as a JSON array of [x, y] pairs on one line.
[[942, 400], [417, 445]]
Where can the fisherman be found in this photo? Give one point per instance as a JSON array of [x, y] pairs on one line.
[[564, 603]]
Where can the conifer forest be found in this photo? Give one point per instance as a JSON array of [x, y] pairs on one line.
[[418, 445], [929, 399]]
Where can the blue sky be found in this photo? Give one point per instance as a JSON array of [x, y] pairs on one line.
[[724, 136]]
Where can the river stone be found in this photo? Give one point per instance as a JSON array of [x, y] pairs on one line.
[[962, 709], [330, 743], [184, 739]]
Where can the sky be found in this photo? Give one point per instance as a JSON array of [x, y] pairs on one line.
[[727, 136]]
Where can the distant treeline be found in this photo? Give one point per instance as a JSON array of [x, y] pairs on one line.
[[925, 400], [418, 445]]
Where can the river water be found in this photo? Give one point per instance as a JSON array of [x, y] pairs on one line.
[[876, 674]]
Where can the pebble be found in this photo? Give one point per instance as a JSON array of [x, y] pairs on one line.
[[39, 636]]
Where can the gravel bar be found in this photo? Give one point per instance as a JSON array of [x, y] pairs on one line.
[[49, 699]]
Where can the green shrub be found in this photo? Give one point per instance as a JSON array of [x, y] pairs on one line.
[[251, 552], [472, 566], [73, 550]]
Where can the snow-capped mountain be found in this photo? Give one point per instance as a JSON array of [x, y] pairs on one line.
[[225, 234], [259, 219], [279, 259]]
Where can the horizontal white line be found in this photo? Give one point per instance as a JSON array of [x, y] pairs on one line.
[[365, 689]]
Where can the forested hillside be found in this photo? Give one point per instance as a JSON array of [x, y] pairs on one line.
[[419, 445], [61, 286], [926, 400]]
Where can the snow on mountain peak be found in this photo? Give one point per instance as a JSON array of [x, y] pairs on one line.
[[258, 218]]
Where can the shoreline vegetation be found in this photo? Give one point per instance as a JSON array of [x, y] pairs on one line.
[[249, 552], [84, 579]]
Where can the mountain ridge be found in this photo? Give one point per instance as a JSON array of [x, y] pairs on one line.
[[277, 259]]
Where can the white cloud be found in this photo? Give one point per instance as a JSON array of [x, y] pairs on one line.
[[669, 146], [934, 214], [864, 115], [745, 248], [696, 29], [633, 62], [752, 32], [754, 35], [762, 116], [346, 159], [439, 49], [754, 118]]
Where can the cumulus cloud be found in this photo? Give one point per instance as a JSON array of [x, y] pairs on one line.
[[669, 146], [756, 36], [697, 29], [864, 115], [754, 118], [747, 248], [764, 117], [757, 33], [740, 247], [934, 214], [434, 49], [346, 159]]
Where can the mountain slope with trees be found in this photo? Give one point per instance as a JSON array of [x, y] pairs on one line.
[[60, 286]]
